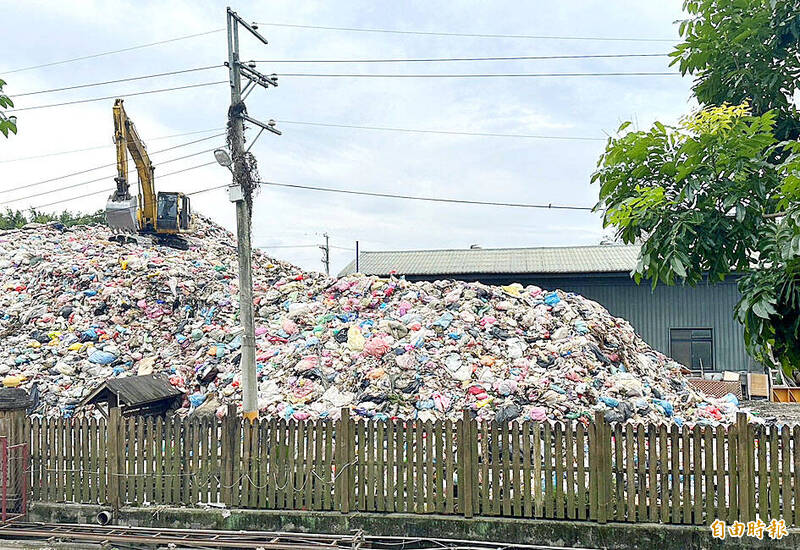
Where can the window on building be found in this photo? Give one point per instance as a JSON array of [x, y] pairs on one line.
[[692, 347]]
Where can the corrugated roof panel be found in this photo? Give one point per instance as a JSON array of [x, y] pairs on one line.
[[575, 259]]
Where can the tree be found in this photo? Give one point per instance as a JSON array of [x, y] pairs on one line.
[[705, 199], [744, 50], [7, 123]]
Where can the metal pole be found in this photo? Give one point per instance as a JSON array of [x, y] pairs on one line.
[[326, 259], [243, 219], [356, 256]]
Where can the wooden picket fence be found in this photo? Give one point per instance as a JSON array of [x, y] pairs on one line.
[[579, 470]]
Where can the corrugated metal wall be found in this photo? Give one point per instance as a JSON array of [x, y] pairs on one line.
[[653, 313]]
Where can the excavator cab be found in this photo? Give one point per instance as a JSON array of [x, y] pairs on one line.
[[173, 214]]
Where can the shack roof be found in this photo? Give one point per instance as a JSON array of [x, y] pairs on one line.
[[550, 260], [133, 390]]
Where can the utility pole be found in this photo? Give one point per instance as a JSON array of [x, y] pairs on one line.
[[357, 267], [326, 255], [241, 193]]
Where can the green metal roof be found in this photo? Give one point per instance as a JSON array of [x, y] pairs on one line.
[[566, 259]]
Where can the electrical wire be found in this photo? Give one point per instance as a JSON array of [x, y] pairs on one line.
[[81, 184], [131, 94], [128, 79], [101, 54], [549, 206], [470, 35], [108, 146], [483, 75], [444, 132], [427, 199], [108, 190], [449, 59], [49, 180]]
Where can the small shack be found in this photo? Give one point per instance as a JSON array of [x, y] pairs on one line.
[[135, 395]]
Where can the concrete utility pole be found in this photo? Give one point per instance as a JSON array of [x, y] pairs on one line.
[[326, 258], [240, 192]]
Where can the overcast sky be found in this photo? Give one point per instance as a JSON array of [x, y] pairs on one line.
[[467, 167]]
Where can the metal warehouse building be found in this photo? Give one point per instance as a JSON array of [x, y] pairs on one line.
[[694, 325]]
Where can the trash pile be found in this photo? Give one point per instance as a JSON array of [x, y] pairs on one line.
[[77, 309]]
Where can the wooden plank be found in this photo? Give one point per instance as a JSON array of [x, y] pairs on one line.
[[82, 479], [675, 456], [686, 489], [401, 481], [559, 470], [592, 458], [506, 484], [272, 477], [58, 463], [104, 456], [708, 472], [569, 444], [774, 489], [796, 480], [471, 463], [538, 496], [721, 479], [379, 468], [485, 460], [360, 485], [176, 451], [308, 468], [287, 457], [652, 470], [369, 478], [460, 436], [439, 459], [158, 478], [45, 451], [516, 469], [149, 469], [391, 465], [527, 495], [664, 467], [449, 442], [430, 469], [94, 459], [786, 480], [641, 474], [549, 485], [36, 459], [619, 467], [70, 462], [410, 485], [762, 474], [733, 475], [139, 446], [580, 454], [494, 438], [318, 470], [297, 468], [697, 470], [419, 480], [630, 477]]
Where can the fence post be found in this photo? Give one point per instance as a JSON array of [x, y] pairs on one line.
[[745, 446], [229, 440], [600, 462], [343, 462], [113, 448], [465, 486]]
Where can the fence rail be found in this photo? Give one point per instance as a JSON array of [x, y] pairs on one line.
[[580, 471]]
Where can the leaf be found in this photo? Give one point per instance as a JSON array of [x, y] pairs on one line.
[[677, 267], [623, 126]]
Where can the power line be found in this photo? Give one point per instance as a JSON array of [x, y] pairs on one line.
[[444, 132], [483, 75], [129, 79], [131, 94], [428, 199], [49, 180], [449, 59], [108, 146], [549, 206], [81, 184], [101, 54], [112, 188], [471, 35]]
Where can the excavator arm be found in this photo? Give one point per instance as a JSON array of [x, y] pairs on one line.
[[121, 211]]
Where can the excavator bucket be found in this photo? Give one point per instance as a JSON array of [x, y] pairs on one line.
[[121, 215]]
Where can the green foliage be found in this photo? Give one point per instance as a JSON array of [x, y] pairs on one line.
[[14, 219], [744, 50], [7, 123], [704, 199]]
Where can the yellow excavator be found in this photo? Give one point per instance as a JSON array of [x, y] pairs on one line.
[[163, 216]]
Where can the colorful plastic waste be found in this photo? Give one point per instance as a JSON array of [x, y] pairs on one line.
[[77, 309]]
